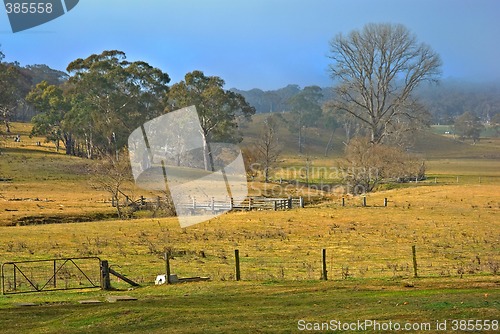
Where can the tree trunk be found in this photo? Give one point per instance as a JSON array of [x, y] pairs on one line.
[[68, 143], [327, 149], [347, 129], [376, 134], [118, 210], [208, 159], [89, 146], [300, 139]]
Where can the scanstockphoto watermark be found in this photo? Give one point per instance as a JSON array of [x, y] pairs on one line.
[[307, 180], [362, 325], [321, 173], [25, 15], [307, 191], [394, 326]]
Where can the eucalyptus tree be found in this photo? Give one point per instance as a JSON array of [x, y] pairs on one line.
[[111, 96], [305, 111], [218, 109]]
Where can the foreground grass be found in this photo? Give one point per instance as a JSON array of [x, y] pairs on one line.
[[249, 307]]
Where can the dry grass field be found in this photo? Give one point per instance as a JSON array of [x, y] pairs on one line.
[[454, 226]]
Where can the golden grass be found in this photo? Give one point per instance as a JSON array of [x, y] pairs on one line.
[[455, 229], [454, 226]]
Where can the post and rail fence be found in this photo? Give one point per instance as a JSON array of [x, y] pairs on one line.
[[229, 204]]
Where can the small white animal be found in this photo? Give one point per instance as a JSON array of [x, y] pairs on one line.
[[161, 279]]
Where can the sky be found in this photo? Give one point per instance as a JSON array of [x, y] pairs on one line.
[[264, 44]]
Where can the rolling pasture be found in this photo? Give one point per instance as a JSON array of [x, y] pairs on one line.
[[453, 223]]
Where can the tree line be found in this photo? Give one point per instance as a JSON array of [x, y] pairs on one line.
[[106, 97]]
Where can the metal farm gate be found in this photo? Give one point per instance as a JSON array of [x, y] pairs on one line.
[[51, 275]]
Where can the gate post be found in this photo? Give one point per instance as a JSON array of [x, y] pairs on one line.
[[105, 280], [55, 274]]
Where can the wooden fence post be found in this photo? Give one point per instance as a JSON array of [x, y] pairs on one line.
[[343, 201], [301, 201], [105, 280], [414, 251], [386, 201], [364, 201], [325, 271], [289, 203], [237, 259], [167, 266], [55, 275], [275, 205]]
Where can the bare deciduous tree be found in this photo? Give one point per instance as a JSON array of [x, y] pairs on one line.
[[367, 164], [110, 175], [267, 147], [378, 69]]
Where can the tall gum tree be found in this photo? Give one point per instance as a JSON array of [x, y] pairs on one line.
[[110, 97], [218, 109]]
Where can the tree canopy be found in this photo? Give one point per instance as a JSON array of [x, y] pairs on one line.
[[469, 125], [378, 69], [53, 106], [218, 109], [305, 110], [110, 97]]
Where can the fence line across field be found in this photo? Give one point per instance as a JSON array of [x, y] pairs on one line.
[[249, 203], [328, 263], [250, 264]]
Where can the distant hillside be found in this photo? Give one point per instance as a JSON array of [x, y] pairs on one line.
[[445, 101], [427, 142], [35, 74], [275, 100]]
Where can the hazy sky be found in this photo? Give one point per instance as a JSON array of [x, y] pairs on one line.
[[257, 43]]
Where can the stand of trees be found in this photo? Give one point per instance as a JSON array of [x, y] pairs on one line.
[[107, 97]]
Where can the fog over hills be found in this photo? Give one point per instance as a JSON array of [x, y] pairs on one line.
[[445, 100]]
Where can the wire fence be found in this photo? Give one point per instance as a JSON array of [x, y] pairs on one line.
[[302, 264]]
